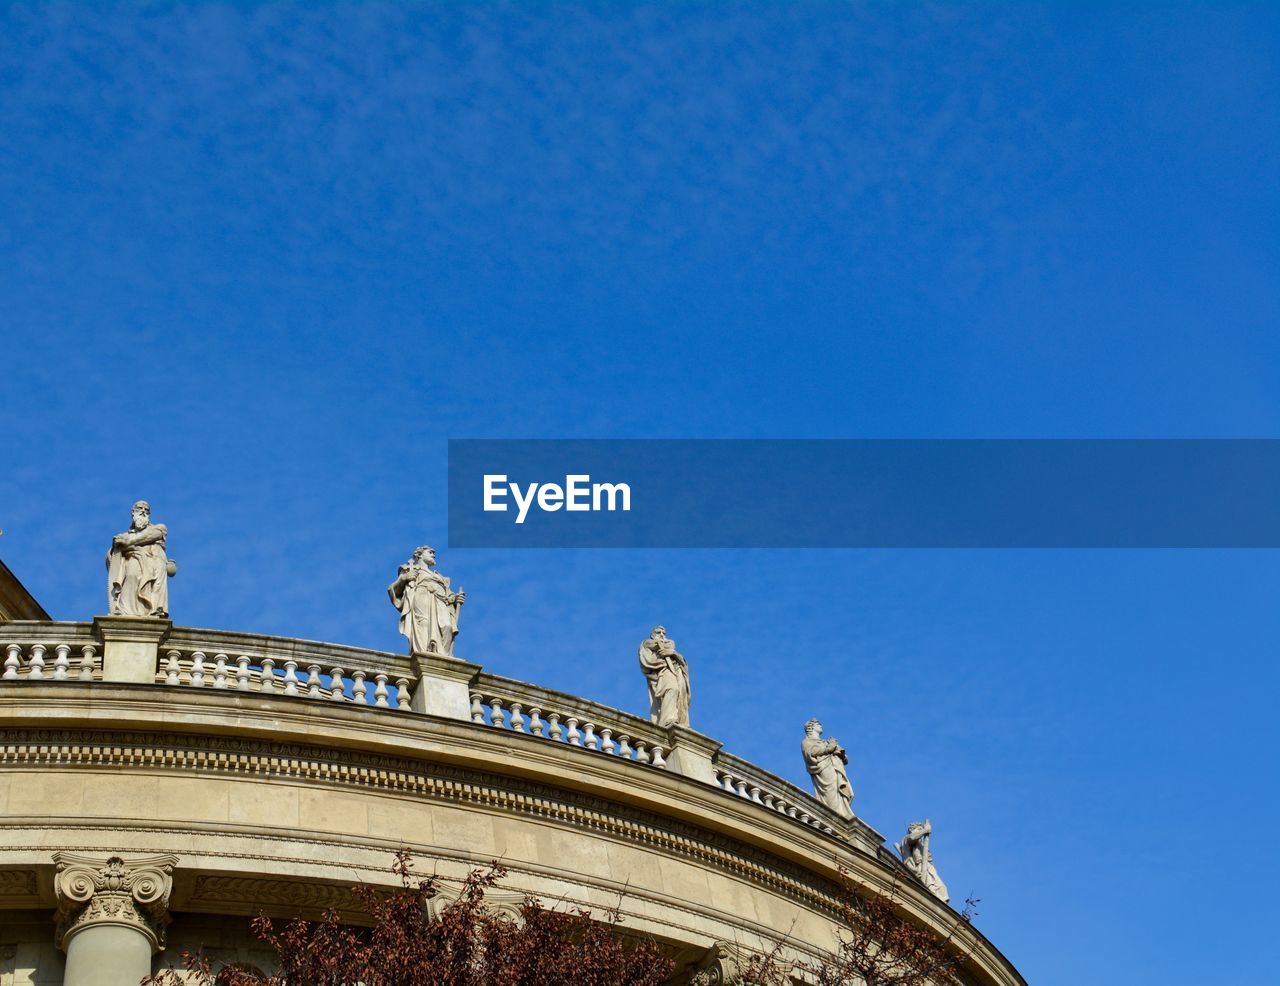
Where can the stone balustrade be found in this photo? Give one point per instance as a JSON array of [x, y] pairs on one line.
[[50, 652], [283, 666], [745, 780], [504, 703], [260, 665], [373, 684]]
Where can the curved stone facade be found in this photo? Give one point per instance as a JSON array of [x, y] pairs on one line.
[[174, 781]]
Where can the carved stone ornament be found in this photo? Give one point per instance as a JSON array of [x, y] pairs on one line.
[[719, 967], [134, 894], [506, 905]]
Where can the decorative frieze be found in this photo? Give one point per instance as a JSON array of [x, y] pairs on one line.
[[132, 894], [250, 894], [17, 886], [247, 756]]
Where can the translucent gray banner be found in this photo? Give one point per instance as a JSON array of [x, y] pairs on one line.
[[864, 493]]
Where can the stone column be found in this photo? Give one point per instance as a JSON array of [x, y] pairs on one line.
[[131, 646], [112, 916], [444, 685], [692, 754]]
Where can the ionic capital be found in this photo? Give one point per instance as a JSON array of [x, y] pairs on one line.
[[132, 894]]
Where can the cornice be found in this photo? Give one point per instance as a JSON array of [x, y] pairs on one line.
[[435, 783], [280, 739]]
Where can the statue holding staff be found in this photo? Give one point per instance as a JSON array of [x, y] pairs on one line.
[[428, 608], [918, 857], [825, 760], [668, 675], [137, 569]]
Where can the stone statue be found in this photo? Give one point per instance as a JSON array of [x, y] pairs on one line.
[[825, 760], [137, 570], [668, 676], [915, 852], [428, 609]]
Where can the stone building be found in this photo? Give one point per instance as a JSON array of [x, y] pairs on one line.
[[161, 784]]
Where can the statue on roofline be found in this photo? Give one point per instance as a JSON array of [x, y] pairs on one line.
[[138, 570], [428, 608], [667, 673]]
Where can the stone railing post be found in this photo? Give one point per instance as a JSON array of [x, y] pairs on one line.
[[444, 685], [111, 917], [130, 646], [693, 755]]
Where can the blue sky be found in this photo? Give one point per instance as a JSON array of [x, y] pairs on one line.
[[257, 264]]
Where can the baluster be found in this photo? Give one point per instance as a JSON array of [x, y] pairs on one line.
[[574, 737], [726, 781], [357, 688], [658, 759], [268, 682], [624, 747], [497, 717], [589, 738], [742, 788], [172, 669], [36, 665], [517, 720], [291, 677], [536, 725], [791, 812], [86, 662], [61, 662], [805, 817], [403, 700], [556, 731], [337, 687], [242, 672], [642, 755], [477, 709], [220, 671], [755, 794], [313, 681], [606, 741], [380, 691], [197, 669], [11, 662], [768, 800]]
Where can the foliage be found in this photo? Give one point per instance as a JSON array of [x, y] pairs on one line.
[[462, 943], [877, 947]]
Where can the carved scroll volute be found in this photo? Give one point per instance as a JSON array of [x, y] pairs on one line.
[[719, 967], [134, 894]]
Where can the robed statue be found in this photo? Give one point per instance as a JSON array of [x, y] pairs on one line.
[[668, 675], [428, 608], [137, 569], [825, 759], [918, 857]]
